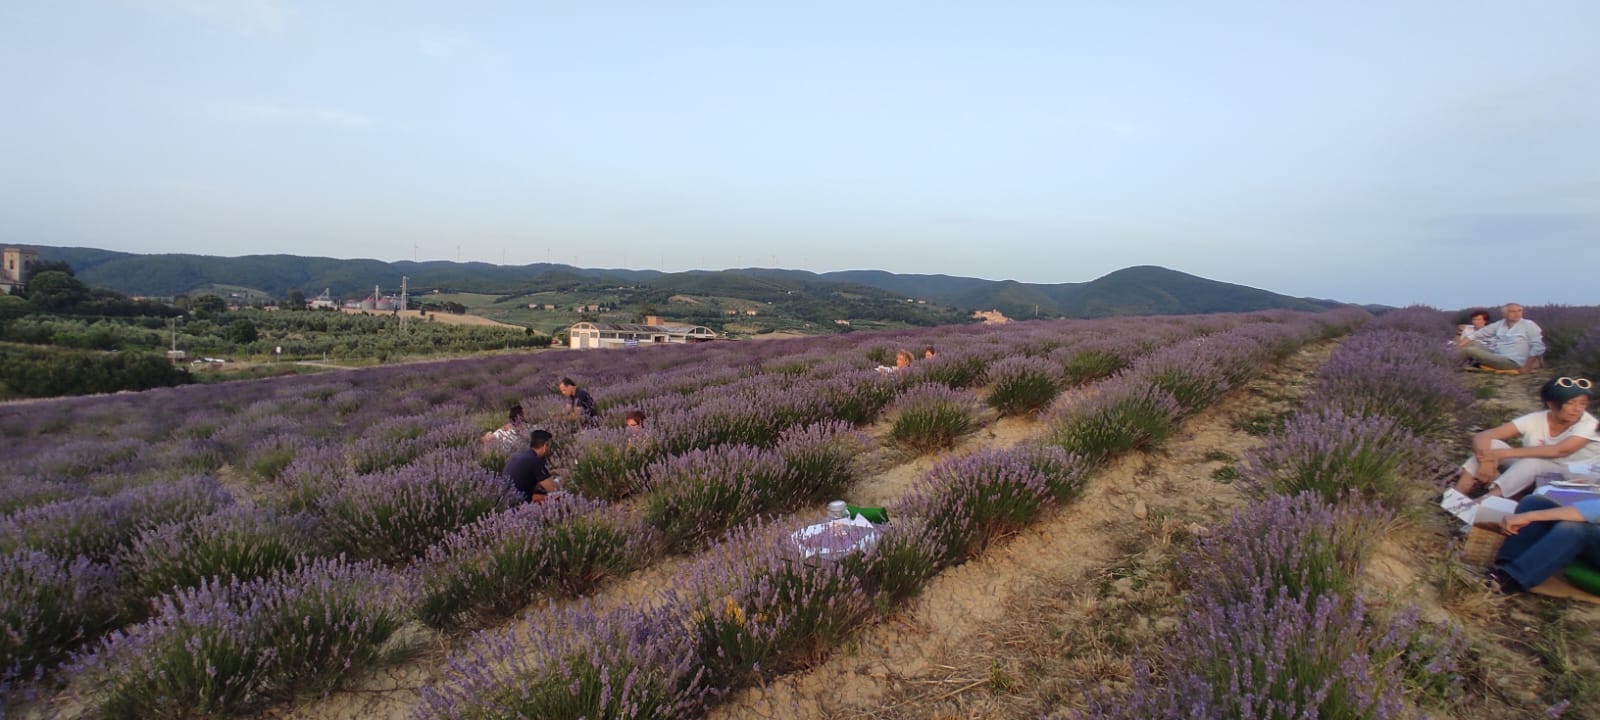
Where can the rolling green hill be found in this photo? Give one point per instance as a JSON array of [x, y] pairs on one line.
[[813, 297]]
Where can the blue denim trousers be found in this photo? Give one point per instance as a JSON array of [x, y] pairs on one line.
[[1542, 549]]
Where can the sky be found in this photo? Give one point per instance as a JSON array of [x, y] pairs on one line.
[[1445, 153]]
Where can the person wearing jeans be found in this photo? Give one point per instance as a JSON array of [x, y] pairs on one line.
[[1545, 537]]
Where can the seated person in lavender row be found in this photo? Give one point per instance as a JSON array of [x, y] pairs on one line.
[[1478, 319], [1564, 432], [928, 353], [1511, 343], [1544, 538], [902, 360], [580, 405], [510, 435], [529, 473], [634, 420]]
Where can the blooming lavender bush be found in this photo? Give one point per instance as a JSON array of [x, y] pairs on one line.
[[820, 460], [1271, 656], [1182, 373], [491, 568], [1064, 473], [23, 491], [1022, 385], [952, 369], [626, 664], [906, 556], [96, 526], [1401, 375], [1300, 544], [1419, 320], [969, 501], [1118, 416], [928, 417], [698, 495], [397, 514], [48, 607], [239, 541], [268, 457], [610, 463], [857, 397], [754, 607], [1333, 454], [314, 472], [211, 649]]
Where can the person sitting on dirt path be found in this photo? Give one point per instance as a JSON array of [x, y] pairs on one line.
[[902, 360], [1475, 322], [1543, 538], [529, 472], [1564, 432], [580, 405], [510, 435], [1509, 344]]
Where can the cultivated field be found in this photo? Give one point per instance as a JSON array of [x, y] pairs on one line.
[[1061, 541]]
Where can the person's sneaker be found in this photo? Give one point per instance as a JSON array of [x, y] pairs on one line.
[[1501, 583]]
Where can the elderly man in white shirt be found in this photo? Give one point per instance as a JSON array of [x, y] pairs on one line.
[[1511, 343]]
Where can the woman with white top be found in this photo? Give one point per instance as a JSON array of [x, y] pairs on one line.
[[1564, 432]]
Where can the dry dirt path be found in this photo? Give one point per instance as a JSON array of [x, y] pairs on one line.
[[981, 632]]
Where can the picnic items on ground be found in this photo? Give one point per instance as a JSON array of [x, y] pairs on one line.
[[1487, 513], [833, 539], [848, 529]]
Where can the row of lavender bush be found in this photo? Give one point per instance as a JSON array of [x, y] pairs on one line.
[[751, 607], [1275, 626]]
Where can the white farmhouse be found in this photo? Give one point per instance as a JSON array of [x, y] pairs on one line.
[[586, 335]]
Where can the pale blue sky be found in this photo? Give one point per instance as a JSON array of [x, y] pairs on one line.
[[1375, 152]]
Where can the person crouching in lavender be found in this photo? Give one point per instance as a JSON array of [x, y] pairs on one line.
[[1564, 432]]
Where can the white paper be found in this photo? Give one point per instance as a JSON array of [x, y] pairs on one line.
[[1580, 468], [1492, 510], [1459, 505]]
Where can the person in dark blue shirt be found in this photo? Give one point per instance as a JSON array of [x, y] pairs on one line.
[[529, 473], [580, 405]]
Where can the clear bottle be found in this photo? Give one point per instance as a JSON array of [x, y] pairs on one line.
[[837, 510]]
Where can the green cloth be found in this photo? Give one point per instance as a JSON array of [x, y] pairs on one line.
[[1584, 576], [874, 515]]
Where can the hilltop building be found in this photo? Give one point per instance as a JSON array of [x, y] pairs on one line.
[[586, 335], [323, 302], [991, 317], [15, 262]]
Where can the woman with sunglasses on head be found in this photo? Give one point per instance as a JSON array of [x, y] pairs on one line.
[[1564, 432]]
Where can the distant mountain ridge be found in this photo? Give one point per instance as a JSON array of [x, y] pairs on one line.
[[1139, 290]]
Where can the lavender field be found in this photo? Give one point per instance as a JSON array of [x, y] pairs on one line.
[[250, 547]]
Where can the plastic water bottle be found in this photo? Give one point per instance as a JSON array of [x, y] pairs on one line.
[[837, 510]]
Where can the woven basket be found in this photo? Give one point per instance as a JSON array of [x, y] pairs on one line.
[[1481, 546]]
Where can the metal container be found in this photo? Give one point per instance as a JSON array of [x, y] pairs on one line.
[[837, 510]]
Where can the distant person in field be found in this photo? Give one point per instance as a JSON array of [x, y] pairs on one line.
[[1564, 432], [580, 405], [928, 353], [634, 420], [529, 472], [902, 360], [1510, 343], [511, 435]]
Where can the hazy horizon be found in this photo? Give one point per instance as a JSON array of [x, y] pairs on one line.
[[1421, 152]]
